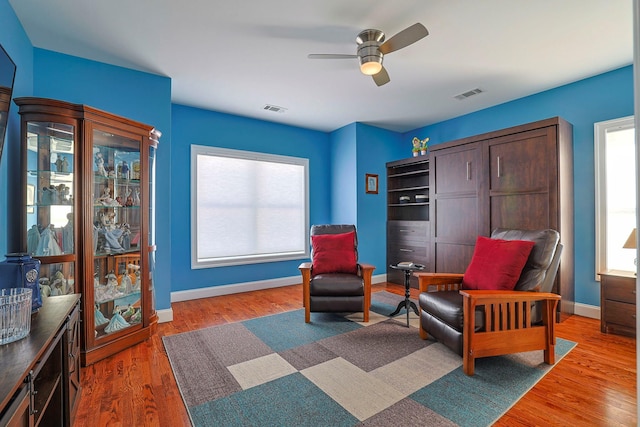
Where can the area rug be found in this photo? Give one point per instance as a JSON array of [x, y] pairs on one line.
[[336, 371]]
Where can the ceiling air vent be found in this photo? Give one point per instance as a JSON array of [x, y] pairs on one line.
[[468, 94], [274, 108]]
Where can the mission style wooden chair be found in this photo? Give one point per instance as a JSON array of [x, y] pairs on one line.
[[502, 304], [334, 281]]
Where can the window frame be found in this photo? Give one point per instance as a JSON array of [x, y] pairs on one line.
[[196, 263], [600, 131]]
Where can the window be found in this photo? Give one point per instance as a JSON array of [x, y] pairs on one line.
[[247, 207], [615, 193]]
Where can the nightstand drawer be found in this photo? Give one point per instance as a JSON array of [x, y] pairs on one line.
[[618, 302], [619, 289], [620, 313]]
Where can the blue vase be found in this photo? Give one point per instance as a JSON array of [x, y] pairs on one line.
[[19, 270]]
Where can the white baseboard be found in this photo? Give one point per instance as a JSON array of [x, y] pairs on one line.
[[214, 291], [165, 315], [587, 310], [379, 278]]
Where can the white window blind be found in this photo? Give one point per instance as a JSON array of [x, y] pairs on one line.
[[615, 193], [247, 207]]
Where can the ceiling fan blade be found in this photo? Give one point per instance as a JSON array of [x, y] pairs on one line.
[[381, 77], [330, 56], [404, 38]]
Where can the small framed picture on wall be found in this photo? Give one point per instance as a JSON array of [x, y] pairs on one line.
[[371, 183]]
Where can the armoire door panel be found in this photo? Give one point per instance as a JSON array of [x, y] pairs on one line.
[[456, 171], [521, 211], [453, 258], [521, 165], [457, 220]]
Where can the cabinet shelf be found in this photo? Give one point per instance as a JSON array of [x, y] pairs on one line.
[[39, 172], [121, 296], [420, 187], [402, 205], [409, 173]]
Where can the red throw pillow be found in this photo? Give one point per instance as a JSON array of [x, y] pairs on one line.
[[496, 264], [334, 253]]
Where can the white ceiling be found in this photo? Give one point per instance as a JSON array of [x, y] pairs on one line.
[[237, 56]]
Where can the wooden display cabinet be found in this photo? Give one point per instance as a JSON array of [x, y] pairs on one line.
[[88, 196]]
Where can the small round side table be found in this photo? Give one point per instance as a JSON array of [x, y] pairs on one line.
[[407, 303]]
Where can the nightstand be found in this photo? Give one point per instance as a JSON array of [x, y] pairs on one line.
[[618, 302]]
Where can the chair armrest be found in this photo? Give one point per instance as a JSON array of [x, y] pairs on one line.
[[493, 297], [366, 268], [305, 265], [440, 281]]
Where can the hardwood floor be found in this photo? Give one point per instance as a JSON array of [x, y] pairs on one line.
[[594, 385]]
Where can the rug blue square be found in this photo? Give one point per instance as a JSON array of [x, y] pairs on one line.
[[289, 401]]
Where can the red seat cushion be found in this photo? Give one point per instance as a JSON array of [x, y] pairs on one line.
[[496, 264], [334, 253]]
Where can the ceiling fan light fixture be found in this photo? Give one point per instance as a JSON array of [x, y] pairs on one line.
[[370, 66]]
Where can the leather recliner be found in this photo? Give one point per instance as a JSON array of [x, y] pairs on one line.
[[336, 292], [442, 311]]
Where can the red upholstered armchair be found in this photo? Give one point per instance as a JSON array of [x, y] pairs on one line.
[[334, 281], [496, 308]]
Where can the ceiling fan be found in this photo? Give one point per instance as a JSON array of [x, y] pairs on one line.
[[372, 47]]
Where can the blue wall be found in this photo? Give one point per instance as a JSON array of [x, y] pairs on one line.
[[17, 44], [201, 127], [603, 97], [376, 147], [344, 185]]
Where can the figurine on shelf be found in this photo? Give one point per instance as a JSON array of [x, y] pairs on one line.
[[136, 198], [129, 199], [67, 235], [99, 318], [128, 312], [65, 165], [100, 169], [46, 196], [105, 198], [48, 244], [58, 163], [125, 284], [112, 283], [59, 284], [125, 170], [33, 238], [62, 192], [117, 322], [111, 232], [45, 289], [62, 164], [136, 317], [125, 239]]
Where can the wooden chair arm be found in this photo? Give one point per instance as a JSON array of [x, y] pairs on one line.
[[496, 297], [438, 281], [366, 269], [305, 265]]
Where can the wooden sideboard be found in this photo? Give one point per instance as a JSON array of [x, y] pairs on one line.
[[618, 303], [40, 382]]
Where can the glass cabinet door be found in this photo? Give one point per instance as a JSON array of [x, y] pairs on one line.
[[50, 204], [117, 240]]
